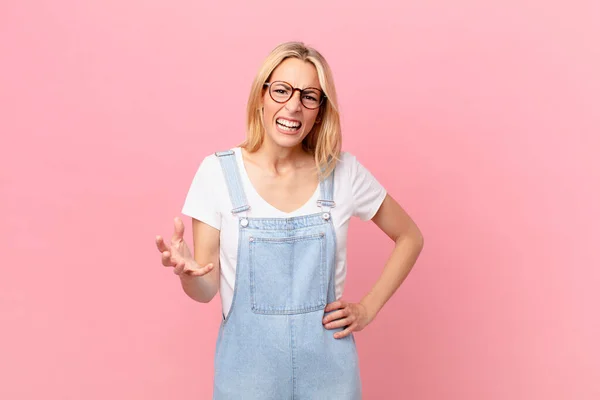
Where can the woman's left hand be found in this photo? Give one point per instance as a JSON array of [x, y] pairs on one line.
[[353, 316]]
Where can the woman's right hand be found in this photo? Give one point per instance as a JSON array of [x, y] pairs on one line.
[[178, 254]]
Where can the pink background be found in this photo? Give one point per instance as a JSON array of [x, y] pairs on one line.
[[480, 117]]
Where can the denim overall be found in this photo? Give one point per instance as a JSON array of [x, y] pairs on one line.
[[272, 345]]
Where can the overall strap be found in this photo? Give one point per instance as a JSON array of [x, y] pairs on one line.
[[234, 182], [326, 197]]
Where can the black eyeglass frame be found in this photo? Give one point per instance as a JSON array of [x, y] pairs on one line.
[[323, 95]]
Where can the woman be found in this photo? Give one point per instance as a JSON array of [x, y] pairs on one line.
[[270, 221]]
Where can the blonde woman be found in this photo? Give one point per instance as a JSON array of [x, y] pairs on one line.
[[270, 221]]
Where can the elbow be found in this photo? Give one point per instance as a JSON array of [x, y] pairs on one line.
[[201, 298], [419, 240], [206, 297], [414, 237], [198, 292], [417, 243], [210, 297], [204, 300]]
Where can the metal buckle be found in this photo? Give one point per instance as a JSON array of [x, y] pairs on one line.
[[326, 203], [224, 153], [240, 209]]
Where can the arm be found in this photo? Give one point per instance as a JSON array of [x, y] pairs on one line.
[[399, 227], [199, 283], [206, 251]]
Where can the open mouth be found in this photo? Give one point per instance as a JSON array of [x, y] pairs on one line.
[[288, 125]]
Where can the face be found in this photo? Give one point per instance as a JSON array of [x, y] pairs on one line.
[[287, 124]]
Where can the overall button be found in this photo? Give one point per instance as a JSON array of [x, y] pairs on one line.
[[244, 222], [326, 216]]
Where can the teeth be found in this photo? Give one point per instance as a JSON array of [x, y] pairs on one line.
[[288, 124], [285, 128]]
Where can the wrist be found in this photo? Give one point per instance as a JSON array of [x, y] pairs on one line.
[[370, 308]]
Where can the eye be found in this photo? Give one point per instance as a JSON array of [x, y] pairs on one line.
[[311, 95], [280, 88], [312, 98]]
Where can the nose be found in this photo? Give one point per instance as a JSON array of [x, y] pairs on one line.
[[294, 103]]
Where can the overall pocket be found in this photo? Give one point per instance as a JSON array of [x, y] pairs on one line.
[[288, 274]]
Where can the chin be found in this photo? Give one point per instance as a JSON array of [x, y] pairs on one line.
[[286, 140]]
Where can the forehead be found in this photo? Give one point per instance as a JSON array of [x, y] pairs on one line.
[[296, 72]]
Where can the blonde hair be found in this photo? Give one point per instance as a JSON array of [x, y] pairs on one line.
[[325, 139]]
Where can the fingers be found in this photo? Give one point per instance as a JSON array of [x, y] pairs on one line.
[[201, 271], [346, 317], [175, 260], [345, 332], [181, 268], [340, 323], [178, 231], [165, 256], [336, 315], [335, 305], [166, 259], [160, 244]]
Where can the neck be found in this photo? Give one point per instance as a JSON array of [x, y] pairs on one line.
[[280, 160]]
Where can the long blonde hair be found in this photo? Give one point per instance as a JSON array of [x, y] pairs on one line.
[[325, 139]]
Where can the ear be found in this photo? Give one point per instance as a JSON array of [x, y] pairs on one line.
[[261, 105], [264, 92]]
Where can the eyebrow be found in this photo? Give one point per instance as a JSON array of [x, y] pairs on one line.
[[312, 86]]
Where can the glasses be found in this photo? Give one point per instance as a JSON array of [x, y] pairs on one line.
[[281, 92]]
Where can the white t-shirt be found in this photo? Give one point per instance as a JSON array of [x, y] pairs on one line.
[[356, 193]]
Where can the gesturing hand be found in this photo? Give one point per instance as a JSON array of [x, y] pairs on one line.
[[352, 316], [179, 255]]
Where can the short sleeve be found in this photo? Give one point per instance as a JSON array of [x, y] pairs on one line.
[[367, 192], [200, 201]]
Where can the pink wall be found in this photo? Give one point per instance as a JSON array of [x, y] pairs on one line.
[[481, 118]]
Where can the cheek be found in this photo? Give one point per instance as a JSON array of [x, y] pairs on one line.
[[309, 118], [269, 110]]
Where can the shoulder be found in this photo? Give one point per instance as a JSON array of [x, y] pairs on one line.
[[355, 173], [346, 162], [346, 157], [366, 191], [209, 171], [208, 187], [348, 165], [211, 163]]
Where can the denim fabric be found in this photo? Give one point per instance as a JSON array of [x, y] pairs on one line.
[[272, 344]]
